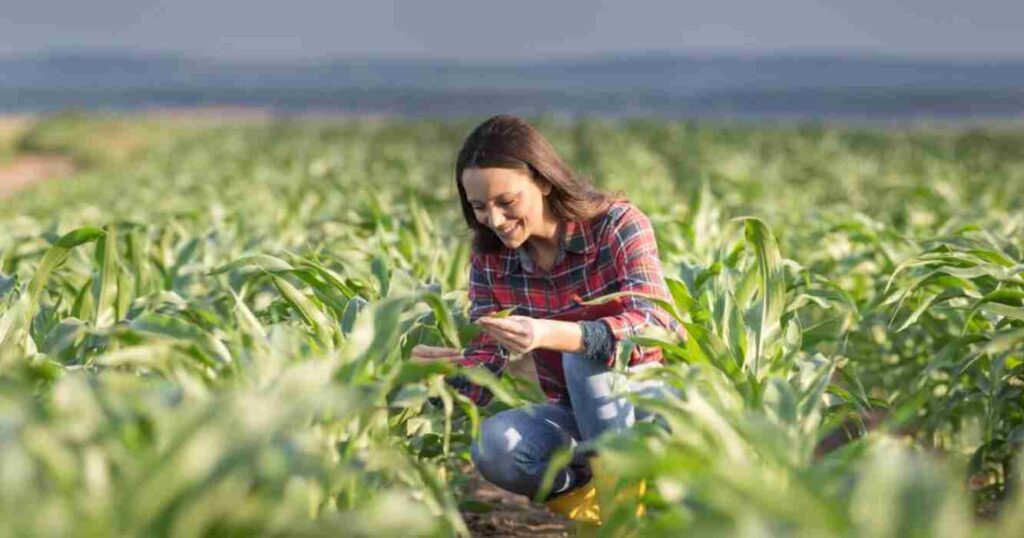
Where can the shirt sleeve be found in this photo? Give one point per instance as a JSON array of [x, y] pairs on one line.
[[483, 351], [638, 268]]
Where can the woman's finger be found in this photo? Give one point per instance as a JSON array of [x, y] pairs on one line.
[[505, 331], [510, 344], [421, 358], [505, 324], [500, 334], [434, 352]]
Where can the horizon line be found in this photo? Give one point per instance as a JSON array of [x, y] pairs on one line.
[[561, 57]]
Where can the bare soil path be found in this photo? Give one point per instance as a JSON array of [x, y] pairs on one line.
[[512, 515]]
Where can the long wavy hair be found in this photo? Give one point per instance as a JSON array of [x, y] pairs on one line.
[[509, 142]]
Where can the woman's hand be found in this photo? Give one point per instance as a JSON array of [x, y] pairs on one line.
[[519, 334], [425, 353]]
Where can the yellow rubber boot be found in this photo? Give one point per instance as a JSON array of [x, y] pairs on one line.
[[641, 508], [579, 505], [611, 493], [583, 505]]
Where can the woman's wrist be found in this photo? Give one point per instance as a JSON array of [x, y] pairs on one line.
[[561, 336]]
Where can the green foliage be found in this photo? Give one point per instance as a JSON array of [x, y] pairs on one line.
[[214, 338], [94, 140]]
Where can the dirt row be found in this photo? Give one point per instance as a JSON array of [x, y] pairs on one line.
[[512, 515], [24, 170], [18, 171]]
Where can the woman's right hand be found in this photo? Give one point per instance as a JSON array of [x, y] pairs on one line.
[[425, 353]]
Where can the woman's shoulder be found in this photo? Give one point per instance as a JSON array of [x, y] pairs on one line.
[[622, 208], [619, 214]]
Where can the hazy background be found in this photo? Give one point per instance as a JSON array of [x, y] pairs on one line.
[[793, 58]]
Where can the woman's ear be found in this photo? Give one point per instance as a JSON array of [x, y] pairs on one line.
[[545, 188]]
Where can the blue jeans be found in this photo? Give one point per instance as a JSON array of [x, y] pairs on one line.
[[516, 445]]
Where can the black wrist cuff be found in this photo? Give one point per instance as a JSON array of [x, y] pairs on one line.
[[598, 343]]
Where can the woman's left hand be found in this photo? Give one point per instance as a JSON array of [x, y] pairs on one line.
[[519, 334]]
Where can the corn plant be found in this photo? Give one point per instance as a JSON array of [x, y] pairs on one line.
[[213, 336]]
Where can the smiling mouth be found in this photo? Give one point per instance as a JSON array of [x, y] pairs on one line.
[[509, 232]]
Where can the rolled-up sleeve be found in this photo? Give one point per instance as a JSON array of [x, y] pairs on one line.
[[483, 350], [635, 254]]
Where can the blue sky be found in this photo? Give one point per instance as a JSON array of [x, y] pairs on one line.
[[524, 29]]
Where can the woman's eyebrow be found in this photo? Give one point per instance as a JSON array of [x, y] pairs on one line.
[[472, 200]]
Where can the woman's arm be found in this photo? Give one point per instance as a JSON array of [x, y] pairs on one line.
[[521, 334], [561, 336], [635, 254], [592, 339]]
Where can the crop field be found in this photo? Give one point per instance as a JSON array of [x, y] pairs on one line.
[[206, 331]]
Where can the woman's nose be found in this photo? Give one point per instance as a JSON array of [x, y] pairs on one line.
[[495, 218]]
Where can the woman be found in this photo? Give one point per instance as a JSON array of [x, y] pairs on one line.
[[546, 240]]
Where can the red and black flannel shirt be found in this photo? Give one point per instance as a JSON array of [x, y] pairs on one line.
[[612, 252]]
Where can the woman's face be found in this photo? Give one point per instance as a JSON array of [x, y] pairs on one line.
[[507, 201]]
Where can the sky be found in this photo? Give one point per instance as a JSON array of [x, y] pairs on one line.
[[523, 29]]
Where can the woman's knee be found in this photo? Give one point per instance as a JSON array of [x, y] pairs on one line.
[[498, 438], [499, 450], [514, 447]]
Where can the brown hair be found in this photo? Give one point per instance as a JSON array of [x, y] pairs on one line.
[[509, 142]]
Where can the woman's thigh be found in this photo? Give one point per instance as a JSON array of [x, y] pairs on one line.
[[516, 445], [598, 395]]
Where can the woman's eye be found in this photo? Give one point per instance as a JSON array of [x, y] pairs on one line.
[[502, 203]]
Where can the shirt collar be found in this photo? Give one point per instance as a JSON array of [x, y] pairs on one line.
[[577, 240]]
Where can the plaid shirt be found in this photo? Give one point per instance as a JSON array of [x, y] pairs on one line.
[[612, 252]]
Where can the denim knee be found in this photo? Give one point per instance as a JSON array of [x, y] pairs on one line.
[[514, 448], [496, 452], [492, 447]]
